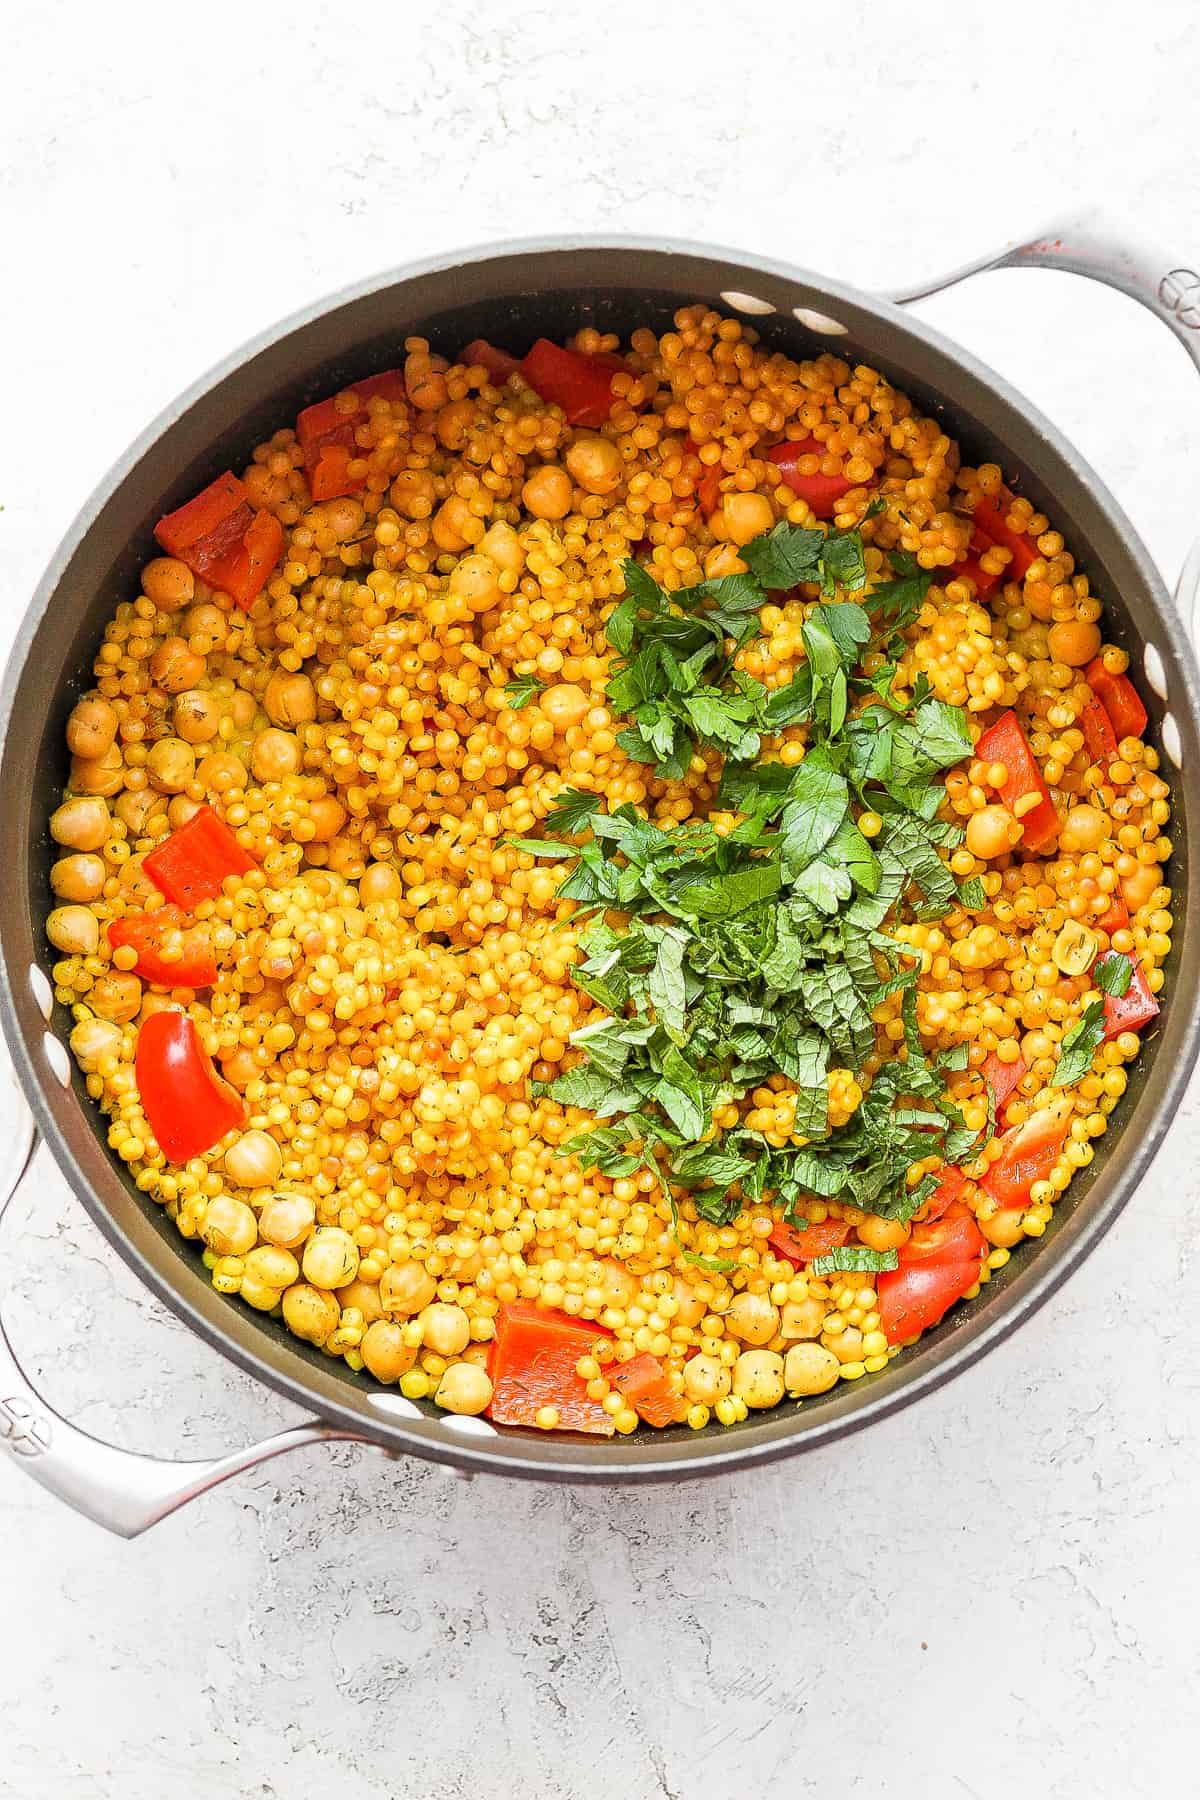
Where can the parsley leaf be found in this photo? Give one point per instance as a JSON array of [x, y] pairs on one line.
[[1113, 973], [1080, 1045], [522, 689], [851, 1260]]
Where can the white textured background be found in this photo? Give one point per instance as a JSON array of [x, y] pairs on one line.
[[994, 1594]]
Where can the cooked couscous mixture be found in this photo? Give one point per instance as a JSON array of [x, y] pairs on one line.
[[614, 888]]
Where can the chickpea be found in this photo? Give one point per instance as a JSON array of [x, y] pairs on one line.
[[136, 808], [254, 1161], [286, 1219], [454, 423], [196, 716], [94, 1041], [207, 627], [752, 1318], [801, 1318], [170, 765], [267, 1272], [220, 771], [595, 464], [78, 877], [175, 667], [1136, 889], [330, 1257], [476, 582], [810, 1369], [690, 1308], [879, 1234], [229, 1227], [116, 996], [723, 560], [363, 1297], [619, 1287], [564, 705], [464, 1388], [445, 1329], [705, 1380], [74, 930], [991, 832], [502, 544], [547, 493], [1074, 642], [239, 1067], [744, 516], [81, 824], [168, 582], [413, 494], [99, 774], [345, 517], [455, 526], [311, 1314], [275, 754], [1004, 1228], [326, 816], [91, 727], [180, 809], [386, 1352], [758, 1378], [406, 1288], [1086, 828], [379, 881], [134, 882], [290, 699], [243, 709]]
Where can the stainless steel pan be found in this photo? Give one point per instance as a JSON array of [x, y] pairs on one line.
[[511, 295]]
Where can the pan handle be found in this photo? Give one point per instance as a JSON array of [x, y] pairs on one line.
[[1169, 288], [1165, 286], [119, 1489]]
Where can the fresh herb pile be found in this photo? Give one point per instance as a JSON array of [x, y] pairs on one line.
[[761, 951]]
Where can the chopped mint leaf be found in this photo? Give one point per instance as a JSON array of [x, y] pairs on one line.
[[852, 1260]]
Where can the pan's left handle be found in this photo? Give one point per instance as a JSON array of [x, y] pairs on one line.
[[119, 1489]]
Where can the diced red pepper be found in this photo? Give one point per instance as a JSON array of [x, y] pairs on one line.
[[1116, 918], [951, 1183], [191, 865], [822, 492], [1003, 1079], [189, 1106], [971, 568], [1028, 1153], [531, 1364], [498, 363], [147, 932], [815, 1240], [224, 540], [940, 1262], [708, 490], [1131, 1010], [1005, 742], [580, 384], [1119, 698], [643, 1381], [327, 437], [1098, 733], [991, 517]]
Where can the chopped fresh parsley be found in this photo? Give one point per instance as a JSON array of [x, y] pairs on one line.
[[1112, 975], [760, 952], [852, 1260], [521, 690]]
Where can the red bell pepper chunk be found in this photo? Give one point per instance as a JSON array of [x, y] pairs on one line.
[[1120, 700], [643, 1381], [991, 518], [580, 384], [708, 489], [326, 435], [1028, 1153], [822, 492], [147, 932], [1098, 733], [815, 1240], [1005, 742], [531, 1364], [951, 1183], [189, 1106], [1003, 1079], [191, 865], [1132, 1009], [1116, 918], [939, 1264], [479, 354], [221, 538]]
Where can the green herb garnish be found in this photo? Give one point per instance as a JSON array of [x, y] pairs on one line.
[[522, 689], [851, 1260], [1111, 974]]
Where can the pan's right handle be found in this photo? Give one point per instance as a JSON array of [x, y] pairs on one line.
[[1169, 287], [119, 1489], [1166, 285]]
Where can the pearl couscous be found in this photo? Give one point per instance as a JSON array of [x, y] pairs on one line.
[[385, 697]]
